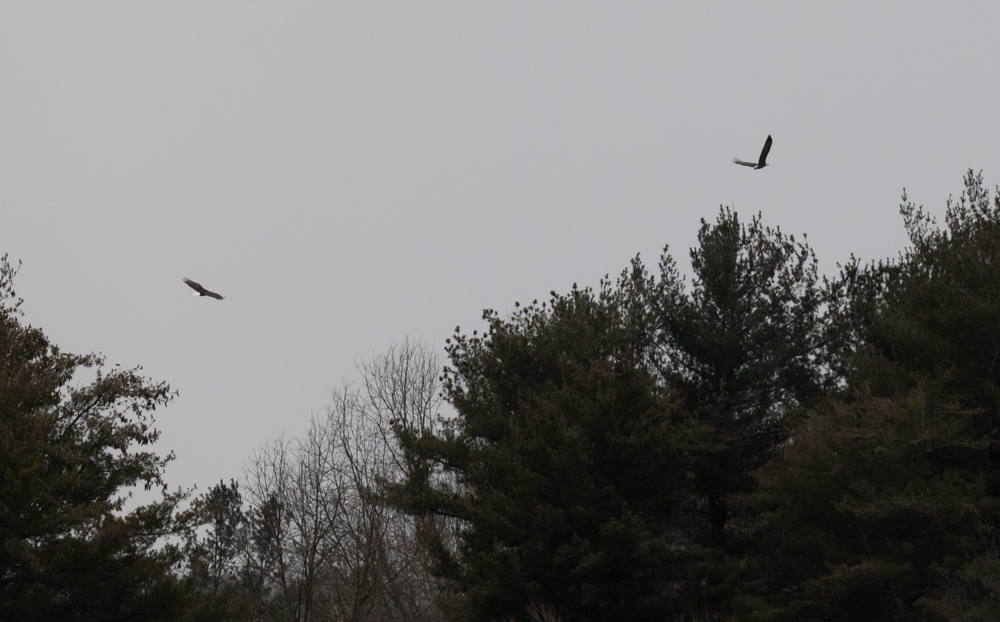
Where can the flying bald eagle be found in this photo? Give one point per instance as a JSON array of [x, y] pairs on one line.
[[763, 156], [201, 291]]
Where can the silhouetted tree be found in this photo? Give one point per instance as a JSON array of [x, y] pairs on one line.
[[214, 551], [561, 466], [322, 542], [886, 503], [743, 348], [70, 449]]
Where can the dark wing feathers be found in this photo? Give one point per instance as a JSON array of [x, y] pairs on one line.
[[201, 290], [763, 153], [762, 162], [195, 286]]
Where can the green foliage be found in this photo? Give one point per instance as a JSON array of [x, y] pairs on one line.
[[883, 503], [745, 343], [68, 453], [213, 556], [605, 442], [871, 501], [943, 310], [743, 348], [564, 464], [756, 442], [215, 541]]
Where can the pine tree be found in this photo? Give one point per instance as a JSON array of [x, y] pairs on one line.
[[743, 348], [886, 502], [560, 464]]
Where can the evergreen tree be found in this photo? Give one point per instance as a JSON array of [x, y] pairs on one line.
[[743, 348], [886, 504], [216, 540], [870, 507], [561, 464], [942, 309], [68, 453], [628, 411]]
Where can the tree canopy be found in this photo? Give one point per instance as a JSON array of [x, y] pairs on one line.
[[562, 462], [756, 442], [886, 505], [70, 450]]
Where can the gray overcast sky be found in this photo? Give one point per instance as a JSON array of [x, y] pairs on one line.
[[350, 173]]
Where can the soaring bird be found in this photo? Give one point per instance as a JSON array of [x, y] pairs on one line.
[[201, 291], [763, 156]]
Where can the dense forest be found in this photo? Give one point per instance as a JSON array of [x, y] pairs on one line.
[[751, 441]]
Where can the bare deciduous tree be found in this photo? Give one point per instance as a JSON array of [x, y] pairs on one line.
[[321, 542]]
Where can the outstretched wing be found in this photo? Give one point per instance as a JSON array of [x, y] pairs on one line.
[[763, 153], [741, 162], [201, 290], [195, 286]]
